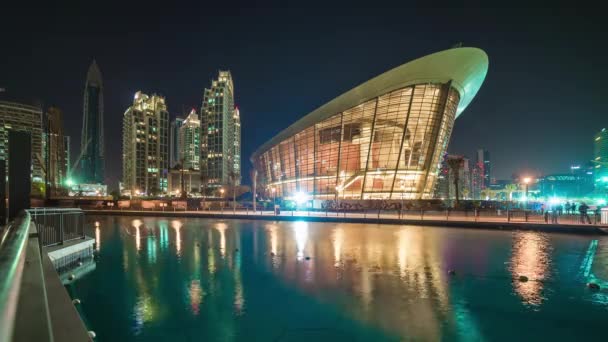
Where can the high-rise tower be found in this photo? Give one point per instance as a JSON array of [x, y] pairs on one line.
[[220, 141], [145, 146], [483, 163], [92, 143], [190, 142], [174, 147]]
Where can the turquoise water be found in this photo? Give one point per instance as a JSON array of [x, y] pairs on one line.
[[222, 280]]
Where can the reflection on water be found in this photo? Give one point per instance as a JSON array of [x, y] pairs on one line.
[[531, 257], [256, 280]]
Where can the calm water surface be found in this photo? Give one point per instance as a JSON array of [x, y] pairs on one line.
[[161, 279]]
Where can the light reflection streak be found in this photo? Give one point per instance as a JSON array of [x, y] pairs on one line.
[[195, 292], [530, 258], [301, 235], [239, 297], [210, 254], [143, 312], [177, 225], [338, 241], [164, 234], [221, 227], [97, 239], [151, 249], [137, 224]]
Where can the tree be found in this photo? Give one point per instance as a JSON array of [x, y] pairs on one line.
[[455, 163], [511, 188]]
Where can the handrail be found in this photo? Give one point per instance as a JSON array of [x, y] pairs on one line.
[[12, 259]]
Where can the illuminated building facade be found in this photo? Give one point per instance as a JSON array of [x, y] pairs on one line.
[[145, 159], [190, 142], [56, 151], [600, 160], [483, 165], [220, 138], [381, 140], [92, 162], [22, 117]]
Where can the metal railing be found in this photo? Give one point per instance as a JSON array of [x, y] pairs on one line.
[[13, 241], [58, 225], [471, 215]]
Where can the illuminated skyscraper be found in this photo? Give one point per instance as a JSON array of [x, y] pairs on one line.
[[174, 143], [190, 142], [483, 164], [145, 159], [220, 140], [92, 162], [55, 151]]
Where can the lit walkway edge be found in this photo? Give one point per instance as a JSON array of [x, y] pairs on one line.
[[559, 228]]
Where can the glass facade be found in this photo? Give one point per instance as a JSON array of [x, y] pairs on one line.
[[92, 162], [388, 147]]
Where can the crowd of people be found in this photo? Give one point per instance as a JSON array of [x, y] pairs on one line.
[[554, 211]]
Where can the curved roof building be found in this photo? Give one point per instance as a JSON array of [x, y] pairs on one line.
[[381, 140]]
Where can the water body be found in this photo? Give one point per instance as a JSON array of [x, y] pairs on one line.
[[161, 279]]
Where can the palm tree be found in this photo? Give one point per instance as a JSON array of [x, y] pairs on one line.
[[455, 163], [511, 188]]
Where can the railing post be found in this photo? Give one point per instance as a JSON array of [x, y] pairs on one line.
[[60, 228], [508, 215]]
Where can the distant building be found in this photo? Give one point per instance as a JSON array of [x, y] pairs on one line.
[[464, 180], [445, 188], [92, 162], [600, 160], [572, 185], [220, 140], [176, 124], [190, 142], [478, 181], [192, 181], [442, 188], [145, 159], [483, 163], [22, 117]]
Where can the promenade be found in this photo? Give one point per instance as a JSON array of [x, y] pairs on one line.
[[515, 220]]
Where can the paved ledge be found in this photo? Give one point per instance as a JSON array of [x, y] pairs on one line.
[[536, 226]]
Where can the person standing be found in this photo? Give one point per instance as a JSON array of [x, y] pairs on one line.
[[583, 208]]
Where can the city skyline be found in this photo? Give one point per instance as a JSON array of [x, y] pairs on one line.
[[300, 74]]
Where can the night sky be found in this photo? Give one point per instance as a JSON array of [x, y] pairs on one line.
[[542, 100]]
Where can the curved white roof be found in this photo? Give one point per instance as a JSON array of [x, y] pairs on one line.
[[465, 67]]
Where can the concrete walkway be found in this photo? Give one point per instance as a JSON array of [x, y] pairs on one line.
[[534, 222]]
